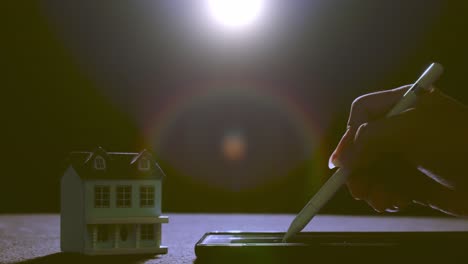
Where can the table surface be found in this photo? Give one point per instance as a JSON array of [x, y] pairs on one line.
[[36, 238]]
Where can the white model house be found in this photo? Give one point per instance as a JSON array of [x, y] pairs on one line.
[[111, 204]]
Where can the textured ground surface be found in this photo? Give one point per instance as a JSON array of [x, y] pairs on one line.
[[36, 238]]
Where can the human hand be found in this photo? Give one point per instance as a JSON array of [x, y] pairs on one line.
[[417, 156]]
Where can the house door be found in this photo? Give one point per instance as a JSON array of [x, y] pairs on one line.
[[127, 236]]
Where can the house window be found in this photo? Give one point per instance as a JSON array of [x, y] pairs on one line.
[[147, 232], [101, 196], [146, 196], [144, 164], [102, 233], [124, 196], [99, 163], [123, 233]]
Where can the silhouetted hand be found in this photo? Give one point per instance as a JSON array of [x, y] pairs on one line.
[[420, 155]]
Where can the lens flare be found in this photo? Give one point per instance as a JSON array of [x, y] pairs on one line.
[[234, 146], [229, 139]]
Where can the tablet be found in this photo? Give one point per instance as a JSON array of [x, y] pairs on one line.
[[330, 246]]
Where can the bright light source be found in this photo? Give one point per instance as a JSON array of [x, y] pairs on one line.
[[235, 13]]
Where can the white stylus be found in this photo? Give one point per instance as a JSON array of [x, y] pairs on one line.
[[333, 184]]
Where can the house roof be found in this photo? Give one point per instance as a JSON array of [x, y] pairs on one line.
[[118, 165]]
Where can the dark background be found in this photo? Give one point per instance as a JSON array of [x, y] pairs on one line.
[[129, 75]]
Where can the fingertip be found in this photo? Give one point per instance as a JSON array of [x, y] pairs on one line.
[[377, 210], [393, 209], [334, 163], [341, 149], [331, 164]]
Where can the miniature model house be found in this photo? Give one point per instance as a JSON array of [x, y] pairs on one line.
[[111, 204]]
